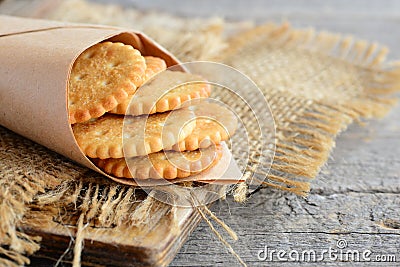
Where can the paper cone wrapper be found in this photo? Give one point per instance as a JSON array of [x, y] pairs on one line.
[[36, 61]]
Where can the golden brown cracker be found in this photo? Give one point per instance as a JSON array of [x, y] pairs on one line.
[[110, 136], [103, 76], [163, 164], [214, 123], [153, 96], [154, 65]]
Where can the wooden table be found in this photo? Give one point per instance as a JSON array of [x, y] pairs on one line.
[[356, 197]]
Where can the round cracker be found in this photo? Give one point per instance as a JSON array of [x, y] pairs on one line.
[[103, 76], [154, 65], [108, 137], [164, 164], [153, 97], [214, 123]]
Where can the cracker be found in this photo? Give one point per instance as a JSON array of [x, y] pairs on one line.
[[214, 123], [153, 97], [108, 137], [103, 76], [154, 65], [164, 164]]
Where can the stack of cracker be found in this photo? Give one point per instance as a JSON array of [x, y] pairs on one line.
[[134, 118]]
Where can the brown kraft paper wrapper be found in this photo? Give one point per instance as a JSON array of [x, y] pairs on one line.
[[36, 61]]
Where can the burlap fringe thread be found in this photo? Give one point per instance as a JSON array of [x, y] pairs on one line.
[[51, 184], [306, 128]]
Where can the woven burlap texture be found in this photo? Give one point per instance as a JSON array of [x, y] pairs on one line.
[[316, 85]]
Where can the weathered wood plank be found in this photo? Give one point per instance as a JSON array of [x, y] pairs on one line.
[[134, 246]]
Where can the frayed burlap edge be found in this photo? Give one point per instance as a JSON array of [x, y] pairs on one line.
[[36, 182], [21, 187], [317, 125]]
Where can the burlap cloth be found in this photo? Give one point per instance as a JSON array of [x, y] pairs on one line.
[[316, 85]]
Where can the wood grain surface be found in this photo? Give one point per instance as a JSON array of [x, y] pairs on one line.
[[144, 245], [355, 198]]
